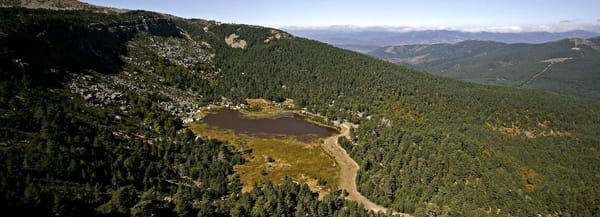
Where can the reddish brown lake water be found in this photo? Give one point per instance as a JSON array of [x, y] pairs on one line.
[[289, 125]]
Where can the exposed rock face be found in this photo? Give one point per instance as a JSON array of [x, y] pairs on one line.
[[234, 41], [96, 93], [155, 26], [276, 35], [102, 91], [385, 122], [182, 52], [150, 38]]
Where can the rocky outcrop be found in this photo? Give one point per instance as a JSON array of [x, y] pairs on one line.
[[96, 93], [104, 91], [155, 26], [234, 41], [180, 51], [276, 35]]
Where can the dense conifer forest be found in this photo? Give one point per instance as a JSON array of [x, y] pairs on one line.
[[425, 144], [567, 67]]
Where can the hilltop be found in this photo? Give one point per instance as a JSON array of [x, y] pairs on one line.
[[568, 66], [367, 39], [95, 107], [58, 5]]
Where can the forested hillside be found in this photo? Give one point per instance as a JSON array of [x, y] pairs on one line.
[[368, 38], [568, 67], [93, 106], [596, 40], [81, 137]]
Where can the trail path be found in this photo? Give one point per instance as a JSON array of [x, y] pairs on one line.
[[552, 61], [349, 169], [537, 75]]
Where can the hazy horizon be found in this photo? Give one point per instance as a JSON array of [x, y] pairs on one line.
[[463, 15], [492, 29]]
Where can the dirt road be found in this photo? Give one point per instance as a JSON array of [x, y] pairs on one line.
[[537, 74], [349, 169]]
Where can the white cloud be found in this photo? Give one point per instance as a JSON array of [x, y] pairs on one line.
[[563, 27], [534, 28], [570, 21]]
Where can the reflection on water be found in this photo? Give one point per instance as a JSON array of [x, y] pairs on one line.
[[289, 125]]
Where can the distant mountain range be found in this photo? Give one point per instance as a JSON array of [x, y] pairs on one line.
[[569, 66], [99, 110], [368, 39]]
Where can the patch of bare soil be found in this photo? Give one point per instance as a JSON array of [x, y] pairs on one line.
[[349, 169]]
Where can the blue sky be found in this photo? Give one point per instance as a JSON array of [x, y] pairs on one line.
[[447, 14]]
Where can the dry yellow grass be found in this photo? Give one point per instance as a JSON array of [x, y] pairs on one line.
[[300, 158], [530, 178]]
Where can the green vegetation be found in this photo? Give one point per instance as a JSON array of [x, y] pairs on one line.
[[66, 156], [84, 159], [274, 157], [425, 143], [261, 108], [574, 69], [595, 40]]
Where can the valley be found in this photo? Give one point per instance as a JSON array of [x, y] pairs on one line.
[[368, 39], [276, 154], [567, 66], [101, 114]]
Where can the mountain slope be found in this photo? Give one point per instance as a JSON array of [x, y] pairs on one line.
[[595, 40], [93, 104], [59, 5], [569, 66], [92, 108], [368, 38]]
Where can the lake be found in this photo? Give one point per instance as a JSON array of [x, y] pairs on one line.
[[291, 124]]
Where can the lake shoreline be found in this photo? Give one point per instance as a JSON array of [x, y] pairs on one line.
[[286, 123]]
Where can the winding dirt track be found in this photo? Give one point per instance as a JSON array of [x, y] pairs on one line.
[[349, 169]]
